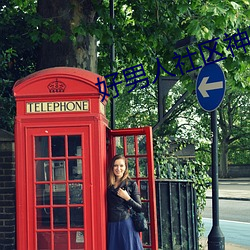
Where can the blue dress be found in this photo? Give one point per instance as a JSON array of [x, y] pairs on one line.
[[121, 232], [122, 236]]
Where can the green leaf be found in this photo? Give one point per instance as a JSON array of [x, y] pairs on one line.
[[194, 28], [246, 2], [235, 5]]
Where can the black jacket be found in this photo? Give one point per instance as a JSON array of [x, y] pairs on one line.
[[118, 208]]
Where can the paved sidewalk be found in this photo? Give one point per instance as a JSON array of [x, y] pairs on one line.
[[228, 246], [230, 194], [242, 193]]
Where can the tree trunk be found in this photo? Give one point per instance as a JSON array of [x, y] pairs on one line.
[[74, 49], [223, 166]]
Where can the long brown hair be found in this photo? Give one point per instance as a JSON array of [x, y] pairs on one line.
[[111, 175]]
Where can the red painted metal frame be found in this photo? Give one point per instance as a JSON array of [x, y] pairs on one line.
[[80, 85], [147, 131], [31, 184]]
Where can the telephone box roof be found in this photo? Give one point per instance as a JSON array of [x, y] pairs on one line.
[[45, 76]]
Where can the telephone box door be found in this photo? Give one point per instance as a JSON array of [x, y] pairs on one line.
[[59, 188], [136, 145]]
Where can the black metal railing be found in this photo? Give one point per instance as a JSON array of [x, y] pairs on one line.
[[176, 212]]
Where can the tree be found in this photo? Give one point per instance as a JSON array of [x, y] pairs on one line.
[[66, 33], [233, 130], [68, 40], [234, 119], [150, 30], [17, 54]]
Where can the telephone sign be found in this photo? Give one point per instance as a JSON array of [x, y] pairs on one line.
[[65, 106]]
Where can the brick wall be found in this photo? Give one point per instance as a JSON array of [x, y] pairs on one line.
[[7, 192]]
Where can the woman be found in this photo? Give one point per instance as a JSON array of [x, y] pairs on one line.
[[122, 195]]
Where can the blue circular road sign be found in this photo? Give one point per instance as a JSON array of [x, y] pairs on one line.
[[210, 87]]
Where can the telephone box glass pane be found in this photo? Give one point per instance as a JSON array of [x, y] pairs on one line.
[[61, 240], [41, 194], [43, 218], [58, 146], [42, 170], [74, 145], [43, 241], [146, 210], [41, 146], [58, 171], [76, 216], [143, 165], [59, 194], [144, 190], [130, 145], [131, 167], [119, 145], [75, 169], [77, 240], [60, 217], [75, 193], [146, 237], [142, 144]]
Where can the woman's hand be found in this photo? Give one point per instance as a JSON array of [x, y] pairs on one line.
[[123, 194]]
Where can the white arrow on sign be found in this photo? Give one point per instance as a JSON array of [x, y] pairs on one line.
[[204, 86]]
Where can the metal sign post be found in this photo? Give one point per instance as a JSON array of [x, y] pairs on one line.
[[216, 239], [210, 90]]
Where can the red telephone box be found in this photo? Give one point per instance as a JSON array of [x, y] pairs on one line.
[[62, 148]]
